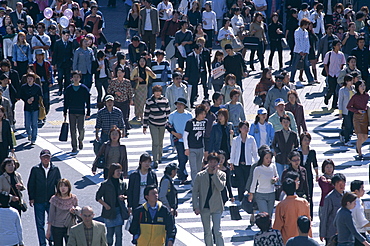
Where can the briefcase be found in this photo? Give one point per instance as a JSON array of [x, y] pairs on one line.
[[252, 43], [234, 213], [63, 136]]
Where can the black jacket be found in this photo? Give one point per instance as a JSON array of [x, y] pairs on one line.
[[171, 192], [15, 80], [363, 59], [6, 135], [28, 92], [41, 187], [76, 101], [14, 17], [193, 70], [282, 148], [133, 191], [107, 193], [236, 65], [62, 56]]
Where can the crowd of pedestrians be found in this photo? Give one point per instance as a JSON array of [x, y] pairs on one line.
[[269, 159]]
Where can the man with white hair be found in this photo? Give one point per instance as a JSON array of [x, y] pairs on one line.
[[18, 13]]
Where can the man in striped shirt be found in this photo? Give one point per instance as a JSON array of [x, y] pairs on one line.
[[159, 66], [156, 114]]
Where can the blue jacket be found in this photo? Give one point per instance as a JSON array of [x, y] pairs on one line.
[[255, 132], [22, 53], [216, 137]]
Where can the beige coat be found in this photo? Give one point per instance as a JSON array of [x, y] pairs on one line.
[[200, 190], [77, 235], [5, 182]]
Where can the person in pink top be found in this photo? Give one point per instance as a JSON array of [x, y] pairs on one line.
[[325, 180]]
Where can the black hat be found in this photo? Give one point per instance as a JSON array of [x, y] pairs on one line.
[[182, 100], [228, 46]]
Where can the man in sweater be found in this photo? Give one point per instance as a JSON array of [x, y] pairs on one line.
[[279, 90], [235, 64], [76, 99]]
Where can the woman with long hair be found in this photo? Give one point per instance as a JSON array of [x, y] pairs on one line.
[[194, 14], [226, 33], [344, 95], [62, 213], [337, 16], [209, 24], [6, 142], [262, 130], [275, 32], [114, 152], [12, 183], [358, 105], [312, 54], [199, 32], [266, 82], [141, 74], [7, 21], [22, 55], [297, 110], [218, 60], [263, 184], [257, 29], [324, 181], [133, 20], [111, 195]]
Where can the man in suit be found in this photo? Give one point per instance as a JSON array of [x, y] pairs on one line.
[[206, 57], [88, 232], [149, 25], [195, 66], [62, 60], [18, 13]]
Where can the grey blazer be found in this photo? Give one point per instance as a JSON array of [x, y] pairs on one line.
[[82, 60], [153, 17], [77, 235]]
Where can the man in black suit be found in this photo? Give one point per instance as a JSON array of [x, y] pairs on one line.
[[195, 66], [62, 60], [362, 54], [206, 56], [18, 13]]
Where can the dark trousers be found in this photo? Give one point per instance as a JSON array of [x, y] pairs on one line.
[[64, 73], [46, 96], [358, 243], [4, 151], [149, 39], [59, 233], [242, 174], [76, 122], [365, 77], [124, 107], [182, 174], [21, 68], [347, 126], [99, 84], [194, 91], [332, 82], [203, 79], [276, 46], [102, 39], [260, 52], [181, 61], [87, 80], [209, 33], [40, 209]]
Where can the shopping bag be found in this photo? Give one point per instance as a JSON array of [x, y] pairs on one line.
[[234, 212], [246, 205], [63, 136], [14, 139], [42, 111]]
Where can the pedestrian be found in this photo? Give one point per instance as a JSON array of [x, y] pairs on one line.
[[83, 58], [6, 142], [257, 29], [108, 117], [111, 195], [235, 109], [205, 55], [88, 232], [217, 99], [262, 130], [76, 99], [41, 40], [265, 175], [274, 119], [224, 166], [358, 105], [113, 152], [122, 91], [266, 235], [209, 23], [194, 140], [296, 108], [349, 41], [304, 226], [156, 116], [243, 155], [11, 231], [142, 177], [135, 49], [264, 85], [167, 191], [41, 186], [239, 71], [177, 122], [141, 74], [326, 42], [343, 222], [103, 75], [350, 67], [152, 214], [312, 58], [211, 118], [362, 53], [149, 26], [62, 60], [330, 207], [207, 199], [275, 31], [218, 61], [324, 181], [289, 210], [278, 90], [62, 213], [230, 84], [31, 94], [95, 21], [21, 54], [11, 182], [177, 90], [5, 102], [291, 25], [162, 70]]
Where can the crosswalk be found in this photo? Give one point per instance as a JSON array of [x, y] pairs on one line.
[[325, 140]]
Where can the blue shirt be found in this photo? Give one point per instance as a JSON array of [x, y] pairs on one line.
[[178, 121]]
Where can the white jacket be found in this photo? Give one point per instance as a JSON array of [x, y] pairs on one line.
[[250, 150]]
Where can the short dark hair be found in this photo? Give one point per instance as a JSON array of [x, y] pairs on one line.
[[347, 78], [100, 54], [360, 38], [176, 74], [289, 186], [41, 24], [215, 95], [183, 22], [113, 167], [199, 109], [213, 156], [347, 197], [356, 185], [115, 128], [242, 123], [325, 163], [359, 15], [350, 58], [304, 223], [159, 52], [197, 46], [76, 72], [234, 92], [337, 178], [293, 153], [304, 21], [135, 38], [66, 32], [303, 135], [263, 221], [5, 63], [328, 26], [262, 153], [284, 117], [291, 175], [319, 6], [226, 19], [148, 189], [157, 88], [335, 42]]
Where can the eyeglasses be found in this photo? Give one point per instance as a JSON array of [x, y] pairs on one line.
[[295, 160]]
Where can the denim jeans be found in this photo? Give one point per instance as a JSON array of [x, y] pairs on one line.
[[182, 174], [87, 80], [280, 169], [347, 126], [30, 123], [117, 230], [307, 71], [40, 209], [64, 74], [206, 217]]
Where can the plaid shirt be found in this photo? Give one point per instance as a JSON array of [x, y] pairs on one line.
[[124, 87], [106, 120], [88, 235]]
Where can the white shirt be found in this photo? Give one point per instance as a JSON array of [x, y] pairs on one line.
[[250, 150], [302, 42], [320, 27], [263, 176], [260, 3], [210, 18], [148, 21], [102, 73], [143, 184], [303, 14], [167, 14], [46, 169], [11, 231], [236, 22], [358, 215], [224, 33], [263, 133]]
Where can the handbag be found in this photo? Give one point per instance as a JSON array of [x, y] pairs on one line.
[[258, 101], [234, 179], [300, 64], [237, 44], [42, 111], [234, 212], [323, 72], [124, 211], [251, 43], [96, 146], [100, 162], [63, 136], [333, 240], [246, 205], [164, 74], [21, 203], [284, 43]]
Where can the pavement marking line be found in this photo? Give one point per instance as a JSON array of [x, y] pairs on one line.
[[184, 236]]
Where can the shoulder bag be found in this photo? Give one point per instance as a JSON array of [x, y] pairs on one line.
[[323, 73], [22, 205], [164, 74]]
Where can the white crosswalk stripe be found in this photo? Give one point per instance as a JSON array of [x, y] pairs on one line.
[[325, 140]]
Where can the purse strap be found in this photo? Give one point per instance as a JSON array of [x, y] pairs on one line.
[[15, 192]]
